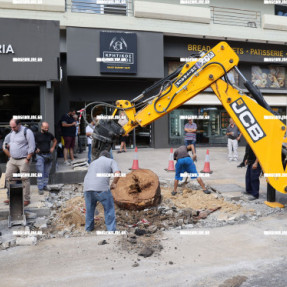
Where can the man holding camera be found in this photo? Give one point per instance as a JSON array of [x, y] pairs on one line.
[[44, 156]]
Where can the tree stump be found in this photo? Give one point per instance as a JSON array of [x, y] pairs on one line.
[[138, 190]]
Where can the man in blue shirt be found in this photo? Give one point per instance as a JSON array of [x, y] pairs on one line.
[[19, 146]]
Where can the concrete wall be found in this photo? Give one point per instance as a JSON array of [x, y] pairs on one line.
[[83, 49], [168, 27], [165, 11], [38, 5]]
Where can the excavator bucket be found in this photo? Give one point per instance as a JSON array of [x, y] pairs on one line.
[[16, 205], [104, 133]]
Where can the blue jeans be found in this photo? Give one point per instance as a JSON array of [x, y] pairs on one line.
[[252, 180], [89, 153], [111, 153], [44, 168], [188, 142], [106, 199]]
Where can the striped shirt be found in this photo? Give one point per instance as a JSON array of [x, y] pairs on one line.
[[190, 136]]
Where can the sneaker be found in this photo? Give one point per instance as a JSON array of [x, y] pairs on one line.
[[67, 162], [119, 151], [251, 197], [206, 191], [174, 193], [7, 201], [72, 162], [47, 188], [26, 202], [41, 191]]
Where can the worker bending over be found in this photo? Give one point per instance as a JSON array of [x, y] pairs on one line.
[[186, 164]]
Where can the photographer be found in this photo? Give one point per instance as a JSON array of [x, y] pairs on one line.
[[44, 155]]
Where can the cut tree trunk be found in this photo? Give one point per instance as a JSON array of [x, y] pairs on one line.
[[138, 190]]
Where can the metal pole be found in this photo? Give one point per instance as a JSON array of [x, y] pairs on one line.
[[271, 193], [134, 138]]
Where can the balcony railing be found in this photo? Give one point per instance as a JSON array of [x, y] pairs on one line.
[[120, 7], [236, 17]]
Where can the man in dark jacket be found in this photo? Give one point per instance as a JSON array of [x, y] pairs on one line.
[[69, 134], [252, 174], [44, 153]]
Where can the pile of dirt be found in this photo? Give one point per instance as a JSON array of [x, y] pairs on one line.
[[198, 200], [72, 214], [173, 212]]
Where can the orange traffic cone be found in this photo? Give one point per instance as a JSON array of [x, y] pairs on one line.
[[206, 168], [170, 162], [135, 161]]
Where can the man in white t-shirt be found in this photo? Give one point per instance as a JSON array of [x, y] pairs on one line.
[[89, 132]]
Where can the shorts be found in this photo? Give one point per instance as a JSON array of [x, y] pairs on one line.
[[185, 164], [69, 142], [123, 139]]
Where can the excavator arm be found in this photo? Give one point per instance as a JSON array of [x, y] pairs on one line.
[[252, 116]]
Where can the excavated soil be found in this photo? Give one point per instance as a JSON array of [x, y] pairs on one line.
[[198, 200], [188, 206]]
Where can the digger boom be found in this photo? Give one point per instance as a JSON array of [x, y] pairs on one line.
[[252, 116]]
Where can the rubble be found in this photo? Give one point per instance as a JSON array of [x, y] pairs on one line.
[[138, 190], [190, 208], [41, 223], [30, 215], [26, 241], [146, 252], [140, 232], [103, 242], [132, 239]]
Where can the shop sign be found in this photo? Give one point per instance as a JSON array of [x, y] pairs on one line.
[[6, 49], [118, 52], [249, 52]]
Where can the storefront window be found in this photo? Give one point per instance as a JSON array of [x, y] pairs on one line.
[[211, 130], [281, 111], [269, 77], [17, 101]]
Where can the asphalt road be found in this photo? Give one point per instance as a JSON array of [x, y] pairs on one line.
[[198, 260]]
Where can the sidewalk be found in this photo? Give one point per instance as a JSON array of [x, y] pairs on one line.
[[226, 177]]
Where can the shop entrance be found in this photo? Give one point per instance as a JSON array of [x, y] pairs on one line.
[[211, 124], [140, 136], [17, 101]]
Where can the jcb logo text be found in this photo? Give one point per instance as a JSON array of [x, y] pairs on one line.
[[247, 119]]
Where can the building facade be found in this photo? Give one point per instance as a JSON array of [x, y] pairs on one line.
[[72, 37]]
